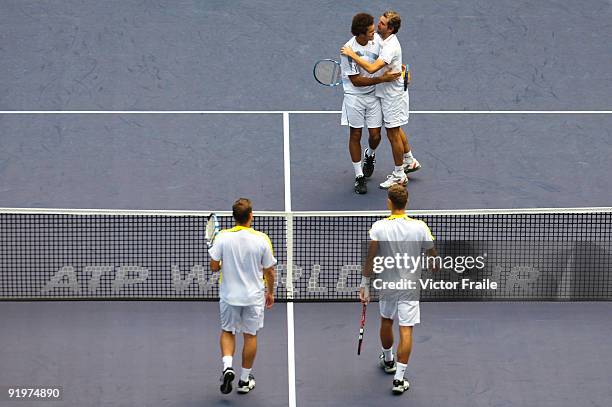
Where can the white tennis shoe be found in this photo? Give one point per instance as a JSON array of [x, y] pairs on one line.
[[412, 166], [394, 179]]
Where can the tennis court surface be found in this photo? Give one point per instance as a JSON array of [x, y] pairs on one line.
[[124, 124]]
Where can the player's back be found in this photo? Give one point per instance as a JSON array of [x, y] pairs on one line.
[[244, 253], [400, 235]]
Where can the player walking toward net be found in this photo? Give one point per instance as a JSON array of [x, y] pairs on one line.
[[397, 234], [245, 254], [394, 99], [360, 106]]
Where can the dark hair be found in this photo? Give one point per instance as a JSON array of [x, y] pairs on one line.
[[241, 210], [398, 195], [361, 23], [394, 21]]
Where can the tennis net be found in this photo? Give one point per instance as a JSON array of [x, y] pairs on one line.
[[73, 254]]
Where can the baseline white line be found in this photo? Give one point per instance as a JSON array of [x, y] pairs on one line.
[[157, 112]]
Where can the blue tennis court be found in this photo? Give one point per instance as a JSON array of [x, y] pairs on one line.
[[124, 124]]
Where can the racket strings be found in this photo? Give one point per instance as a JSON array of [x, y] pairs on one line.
[[328, 72], [210, 229]]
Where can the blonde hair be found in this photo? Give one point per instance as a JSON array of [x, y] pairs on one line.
[[398, 195], [394, 21]]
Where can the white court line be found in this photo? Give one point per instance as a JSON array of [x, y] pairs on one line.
[[289, 244], [471, 112], [291, 354], [157, 112], [162, 212]]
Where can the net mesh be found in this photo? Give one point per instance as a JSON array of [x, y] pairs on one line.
[[531, 256]]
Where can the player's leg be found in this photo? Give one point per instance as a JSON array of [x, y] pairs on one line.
[[355, 148], [374, 138], [353, 115], [397, 176], [408, 316], [388, 310], [252, 321], [410, 163], [405, 142], [249, 351], [374, 123], [229, 316], [393, 118], [404, 348]]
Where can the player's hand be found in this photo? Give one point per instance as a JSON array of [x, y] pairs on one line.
[[363, 297], [389, 76], [269, 300], [405, 72], [433, 267], [348, 51]]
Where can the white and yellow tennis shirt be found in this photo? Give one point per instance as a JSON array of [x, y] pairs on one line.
[[409, 238], [396, 228], [245, 253]]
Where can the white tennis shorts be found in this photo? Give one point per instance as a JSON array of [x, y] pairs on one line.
[[408, 312], [359, 111], [241, 319], [396, 110]]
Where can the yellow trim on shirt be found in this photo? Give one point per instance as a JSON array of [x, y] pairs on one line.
[[404, 216], [251, 230]]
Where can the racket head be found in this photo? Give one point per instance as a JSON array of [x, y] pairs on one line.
[[212, 229], [328, 72]]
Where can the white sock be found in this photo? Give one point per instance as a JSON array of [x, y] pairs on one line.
[[358, 169], [408, 158], [227, 361], [370, 151], [388, 354], [398, 171], [244, 375], [399, 373]]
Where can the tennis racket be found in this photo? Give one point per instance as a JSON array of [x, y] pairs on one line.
[[406, 76], [361, 328], [328, 72], [212, 229]]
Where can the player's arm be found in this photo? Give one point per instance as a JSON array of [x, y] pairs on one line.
[[358, 80], [369, 263], [366, 272], [268, 262], [215, 265], [430, 250], [269, 276], [371, 67], [216, 253]]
